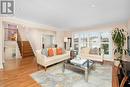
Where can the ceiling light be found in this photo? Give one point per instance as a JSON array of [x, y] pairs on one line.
[[93, 5]]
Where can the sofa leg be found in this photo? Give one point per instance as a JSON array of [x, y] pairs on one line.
[[45, 68]]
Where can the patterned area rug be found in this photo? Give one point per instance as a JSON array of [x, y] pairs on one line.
[[54, 77]]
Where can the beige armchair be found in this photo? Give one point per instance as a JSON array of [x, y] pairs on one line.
[[95, 56]]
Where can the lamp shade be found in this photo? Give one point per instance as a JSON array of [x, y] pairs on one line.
[[65, 39]]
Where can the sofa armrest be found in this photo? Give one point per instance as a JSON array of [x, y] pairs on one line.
[[41, 59]]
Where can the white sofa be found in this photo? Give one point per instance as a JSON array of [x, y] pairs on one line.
[[47, 61]]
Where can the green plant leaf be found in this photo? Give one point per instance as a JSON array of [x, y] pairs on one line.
[[119, 39]]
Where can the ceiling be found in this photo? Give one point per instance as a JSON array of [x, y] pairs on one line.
[[66, 14]]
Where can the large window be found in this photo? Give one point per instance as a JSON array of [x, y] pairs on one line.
[[48, 40], [93, 40]]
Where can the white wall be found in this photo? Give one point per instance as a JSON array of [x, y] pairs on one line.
[[21, 32], [60, 38], [1, 44], [35, 36], [101, 28], [129, 27]]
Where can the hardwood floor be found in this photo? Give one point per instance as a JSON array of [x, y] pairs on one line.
[[16, 73]]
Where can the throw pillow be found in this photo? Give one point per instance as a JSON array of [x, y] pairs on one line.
[[44, 52], [59, 51], [93, 51], [50, 52]]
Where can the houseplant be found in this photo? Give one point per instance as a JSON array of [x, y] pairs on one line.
[[119, 39]]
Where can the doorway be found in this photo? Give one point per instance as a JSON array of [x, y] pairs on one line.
[[10, 41], [11, 50]]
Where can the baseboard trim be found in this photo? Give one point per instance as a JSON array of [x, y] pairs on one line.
[[108, 62]]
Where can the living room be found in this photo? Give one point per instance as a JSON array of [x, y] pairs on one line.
[[64, 43]]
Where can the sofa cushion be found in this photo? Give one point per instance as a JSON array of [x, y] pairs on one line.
[[59, 51], [95, 57], [50, 52], [57, 57]]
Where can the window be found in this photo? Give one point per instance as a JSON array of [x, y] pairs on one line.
[[48, 40], [76, 42], [100, 40], [106, 44], [94, 40]]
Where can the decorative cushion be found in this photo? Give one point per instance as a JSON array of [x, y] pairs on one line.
[[59, 51], [94, 51], [44, 52], [50, 52]]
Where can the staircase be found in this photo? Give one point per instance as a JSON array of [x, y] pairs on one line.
[[25, 49]]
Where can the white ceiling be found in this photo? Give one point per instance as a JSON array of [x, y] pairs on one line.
[[73, 13]]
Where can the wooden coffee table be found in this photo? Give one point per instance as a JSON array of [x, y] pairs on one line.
[[86, 67]]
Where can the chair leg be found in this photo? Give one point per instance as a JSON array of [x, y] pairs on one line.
[[102, 62], [94, 67]]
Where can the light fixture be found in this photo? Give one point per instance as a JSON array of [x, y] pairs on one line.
[[93, 5], [65, 41]]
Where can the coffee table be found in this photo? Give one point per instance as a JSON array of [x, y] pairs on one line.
[[86, 67]]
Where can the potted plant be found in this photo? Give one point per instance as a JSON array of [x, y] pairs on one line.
[[119, 39]]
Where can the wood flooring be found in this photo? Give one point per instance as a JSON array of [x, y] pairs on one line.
[[16, 73]]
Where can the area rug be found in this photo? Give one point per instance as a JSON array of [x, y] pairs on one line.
[[54, 77]]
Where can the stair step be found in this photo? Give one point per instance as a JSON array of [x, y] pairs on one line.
[[28, 51], [26, 46], [25, 42], [28, 54]]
